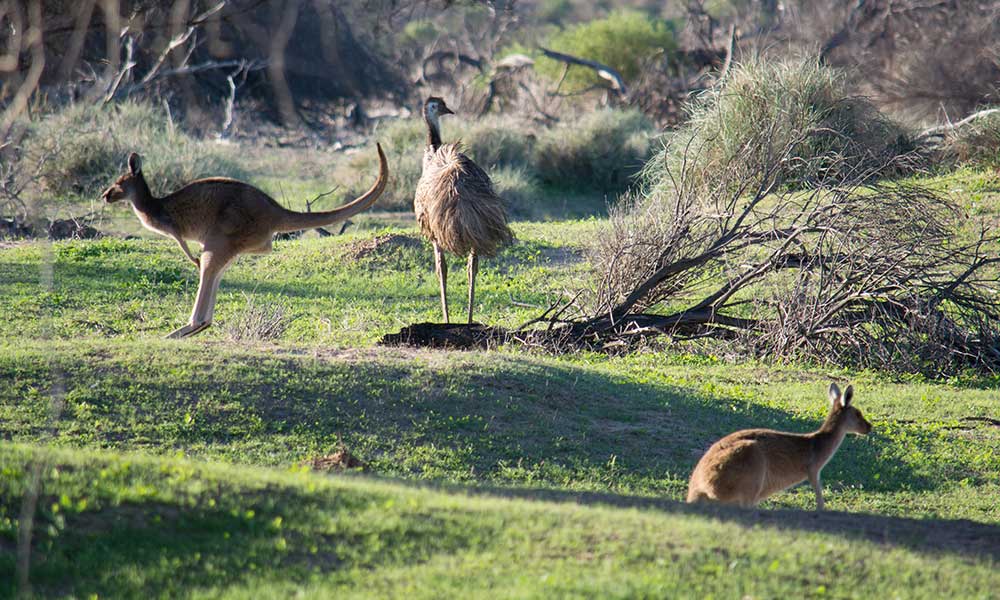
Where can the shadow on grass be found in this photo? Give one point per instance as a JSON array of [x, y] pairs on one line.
[[438, 415], [172, 550], [931, 536]]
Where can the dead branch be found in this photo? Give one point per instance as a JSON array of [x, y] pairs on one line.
[[603, 71]]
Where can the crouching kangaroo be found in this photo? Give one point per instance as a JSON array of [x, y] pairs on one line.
[[228, 218], [748, 466]]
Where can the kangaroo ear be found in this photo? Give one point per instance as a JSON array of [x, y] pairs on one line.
[[845, 400], [834, 393], [134, 164]]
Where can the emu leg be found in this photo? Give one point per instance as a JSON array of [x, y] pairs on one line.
[[441, 268], [473, 268]]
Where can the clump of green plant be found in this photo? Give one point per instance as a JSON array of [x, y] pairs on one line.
[[762, 107], [598, 153], [420, 32], [975, 143], [494, 143], [86, 146], [602, 151], [623, 40]]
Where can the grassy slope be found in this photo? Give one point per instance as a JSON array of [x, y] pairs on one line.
[[129, 526], [630, 426]]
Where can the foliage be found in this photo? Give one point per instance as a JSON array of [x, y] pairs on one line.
[[763, 106], [87, 145], [596, 154], [600, 151], [976, 143], [768, 229], [623, 41]]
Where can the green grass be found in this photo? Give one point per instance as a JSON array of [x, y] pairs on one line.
[[139, 288], [171, 467], [130, 526]]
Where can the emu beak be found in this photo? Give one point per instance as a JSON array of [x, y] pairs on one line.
[[446, 111]]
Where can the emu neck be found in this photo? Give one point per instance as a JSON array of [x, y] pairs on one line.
[[828, 438], [433, 131]]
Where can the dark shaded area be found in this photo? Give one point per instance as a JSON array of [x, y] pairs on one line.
[[929, 536], [454, 336]]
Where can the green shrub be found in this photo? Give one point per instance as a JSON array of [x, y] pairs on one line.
[[420, 32], [88, 144], [495, 143], [623, 40], [976, 143], [600, 152], [764, 107]]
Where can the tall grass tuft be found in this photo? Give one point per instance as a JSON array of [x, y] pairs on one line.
[[259, 320], [762, 106], [976, 143]]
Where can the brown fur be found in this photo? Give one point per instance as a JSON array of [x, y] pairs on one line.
[[456, 206], [748, 466], [228, 218]]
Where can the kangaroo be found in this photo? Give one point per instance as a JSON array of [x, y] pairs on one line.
[[228, 218], [748, 466]]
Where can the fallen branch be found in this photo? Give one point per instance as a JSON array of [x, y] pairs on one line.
[[603, 71]]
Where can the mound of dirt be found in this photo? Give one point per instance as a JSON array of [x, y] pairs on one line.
[[71, 229], [381, 246], [458, 336], [341, 460]]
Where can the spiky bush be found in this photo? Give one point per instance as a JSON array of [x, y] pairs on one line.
[[87, 146], [602, 151], [761, 106]]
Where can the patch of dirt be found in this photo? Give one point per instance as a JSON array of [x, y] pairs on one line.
[[341, 460], [460, 336], [381, 246], [72, 229]]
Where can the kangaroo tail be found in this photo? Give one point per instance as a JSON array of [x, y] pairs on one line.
[[297, 221]]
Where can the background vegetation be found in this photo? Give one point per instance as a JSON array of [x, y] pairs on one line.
[[286, 452]]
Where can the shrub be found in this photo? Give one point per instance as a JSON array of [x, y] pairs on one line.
[[622, 40], [88, 145], [975, 143], [599, 153], [762, 106], [259, 320], [602, 151]]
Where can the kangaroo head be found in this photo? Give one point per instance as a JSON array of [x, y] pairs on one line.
[[128, 185], [845, 414]]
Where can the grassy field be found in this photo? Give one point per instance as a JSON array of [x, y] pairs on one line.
[[174, 468]]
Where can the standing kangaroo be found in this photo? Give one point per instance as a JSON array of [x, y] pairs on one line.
[[228, 218], [748, 466]]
